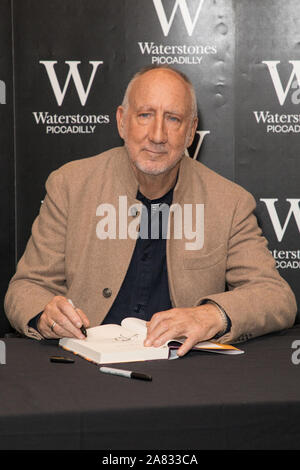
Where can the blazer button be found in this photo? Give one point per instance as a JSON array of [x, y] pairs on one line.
[[134, 211], [106, 292]]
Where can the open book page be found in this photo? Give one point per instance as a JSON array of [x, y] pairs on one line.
[[112, 332], [135, 324]]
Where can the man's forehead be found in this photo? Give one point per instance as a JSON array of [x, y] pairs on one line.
[[161, 77], [164, 83]]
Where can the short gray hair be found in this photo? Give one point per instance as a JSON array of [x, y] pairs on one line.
[[146, 69]]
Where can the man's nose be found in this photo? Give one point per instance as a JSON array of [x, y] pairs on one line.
[[158, 132]]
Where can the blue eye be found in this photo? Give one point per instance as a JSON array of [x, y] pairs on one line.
[[174, 119]]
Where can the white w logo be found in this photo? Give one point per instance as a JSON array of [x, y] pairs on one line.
[[294, 209], [73, 72], [166, 25], [201, 134], [281, 92]]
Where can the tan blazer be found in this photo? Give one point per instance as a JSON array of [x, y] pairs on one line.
[[64, 255]]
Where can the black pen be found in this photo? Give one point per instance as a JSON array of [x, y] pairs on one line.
[[125, 373], [61, 359], [82, 328]]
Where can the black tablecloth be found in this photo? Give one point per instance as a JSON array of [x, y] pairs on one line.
[[201, 401]]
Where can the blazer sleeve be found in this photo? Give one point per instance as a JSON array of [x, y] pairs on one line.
[[257, 300], [40, 273]]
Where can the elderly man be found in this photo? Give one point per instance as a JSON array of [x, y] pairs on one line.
[[226, 287]]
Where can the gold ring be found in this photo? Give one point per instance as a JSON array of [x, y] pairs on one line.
[[53, 325]]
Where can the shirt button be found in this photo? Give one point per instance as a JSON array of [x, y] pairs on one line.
[[106, 292]]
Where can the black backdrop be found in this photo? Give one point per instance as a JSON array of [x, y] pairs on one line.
[[64, 65]]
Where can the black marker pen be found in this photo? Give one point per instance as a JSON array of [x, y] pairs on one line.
[[126, 373]]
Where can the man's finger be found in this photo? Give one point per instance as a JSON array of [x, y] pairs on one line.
[[157, 318], [66, 329], [161, 339], [186, 346], [84, 318], [52, 330], [68, 320], [160, 328], [70, 312]]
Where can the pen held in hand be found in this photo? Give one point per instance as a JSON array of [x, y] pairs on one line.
[[82, 328]]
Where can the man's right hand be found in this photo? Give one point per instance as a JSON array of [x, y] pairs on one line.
[[60, 319]]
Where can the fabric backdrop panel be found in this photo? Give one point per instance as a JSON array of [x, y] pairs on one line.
[[267, 120], [68, 61], [7, 247]]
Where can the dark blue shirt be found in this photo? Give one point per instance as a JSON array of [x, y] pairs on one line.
[[145, 289]]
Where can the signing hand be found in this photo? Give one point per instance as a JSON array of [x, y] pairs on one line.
[[59, 319], [196, 323]]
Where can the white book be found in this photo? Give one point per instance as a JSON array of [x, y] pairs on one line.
[[108, 344]]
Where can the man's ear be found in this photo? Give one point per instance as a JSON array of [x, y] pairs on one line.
[[120, 120], [192, 131]]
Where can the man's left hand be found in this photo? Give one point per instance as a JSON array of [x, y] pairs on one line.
[[197, 324]]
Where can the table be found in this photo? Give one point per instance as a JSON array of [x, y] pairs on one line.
[[201, 401]]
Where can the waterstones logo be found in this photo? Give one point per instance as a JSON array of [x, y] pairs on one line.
[[201, 135], [164, 54], [293, 210], [293, 81], [176, 54], [185, 13], [284, 258], [74, 74], [282, 122], [70, 123], [2, 92]]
